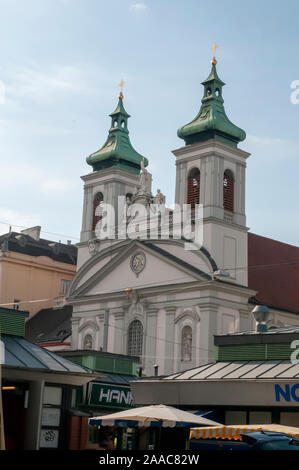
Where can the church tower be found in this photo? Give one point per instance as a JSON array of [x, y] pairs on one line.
[[210, 170], [116, 167]]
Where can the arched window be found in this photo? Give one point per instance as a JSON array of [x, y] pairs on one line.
[[228, 191], [87, 342], [186, 344], [193, 190], [98, 200], [135, 338]]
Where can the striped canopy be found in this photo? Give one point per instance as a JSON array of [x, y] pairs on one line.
[[233, 432]]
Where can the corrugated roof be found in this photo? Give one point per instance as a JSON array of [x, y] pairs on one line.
[[119, 379], [245, 370], [273, 271], [21, 353], [270, 331]]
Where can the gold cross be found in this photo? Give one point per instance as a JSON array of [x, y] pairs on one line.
[[121, 90], [214, 49]]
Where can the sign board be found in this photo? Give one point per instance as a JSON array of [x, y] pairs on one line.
[[262, 393], [114, 396], [51, 417], [287, 393]]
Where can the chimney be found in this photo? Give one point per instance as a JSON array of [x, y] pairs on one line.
[[261, 314], [33, 232]]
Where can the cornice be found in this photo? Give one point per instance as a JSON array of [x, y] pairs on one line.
[[114, 174], [67, 268], [211, 147]]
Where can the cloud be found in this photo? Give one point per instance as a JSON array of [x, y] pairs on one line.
[[11, 217], [2, 92], [26, 176], [35, 83], [138, 7], [254, 139], [279, 149], [19, 174], [56, 185]]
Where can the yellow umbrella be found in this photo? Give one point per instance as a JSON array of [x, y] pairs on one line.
[[234, 431]]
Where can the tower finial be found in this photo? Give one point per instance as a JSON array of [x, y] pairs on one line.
[[214, 61], [120, 96]]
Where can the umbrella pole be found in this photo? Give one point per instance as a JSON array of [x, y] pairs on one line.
[[159, 438], [2, 437]]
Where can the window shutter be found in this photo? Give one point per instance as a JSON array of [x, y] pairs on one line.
[[193, 190], [228, 191]]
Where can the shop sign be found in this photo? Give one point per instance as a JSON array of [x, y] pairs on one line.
[[111, 395], [286, 393]]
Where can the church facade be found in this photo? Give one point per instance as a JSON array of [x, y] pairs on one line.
[[151, 297]]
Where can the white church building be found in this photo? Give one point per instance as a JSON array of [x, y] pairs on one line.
[[152, 297]]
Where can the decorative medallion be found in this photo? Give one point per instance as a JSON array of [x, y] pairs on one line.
[[138, 262]]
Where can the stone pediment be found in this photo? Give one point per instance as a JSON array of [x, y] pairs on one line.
[[139, 264]]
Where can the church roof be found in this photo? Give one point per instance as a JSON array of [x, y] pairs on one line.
[[273, 272], [117, 151], [212, 122]]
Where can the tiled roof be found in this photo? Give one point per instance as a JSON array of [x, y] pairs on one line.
[[273, 272], [25, 244]]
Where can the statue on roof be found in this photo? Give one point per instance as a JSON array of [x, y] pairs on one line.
[[159, 198], [145, 179]]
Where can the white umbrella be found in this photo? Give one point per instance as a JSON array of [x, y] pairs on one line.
[[166, 416]]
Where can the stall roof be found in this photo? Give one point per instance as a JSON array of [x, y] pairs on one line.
[[245, 370], [20, 353], [270, 331], [119, 379]]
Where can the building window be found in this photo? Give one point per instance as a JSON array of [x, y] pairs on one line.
[[135, 338], [98, 201], [228, 191], [87, 342], [52, 417], [264, 417], [186, 354], [235, 417], [64, 285], [193, 189]]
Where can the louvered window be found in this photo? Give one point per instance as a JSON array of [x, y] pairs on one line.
[[193, 194], [228, 191], [98, 200], [135, 338]]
